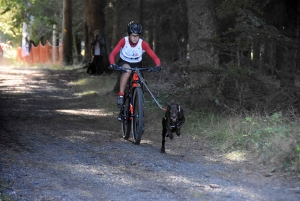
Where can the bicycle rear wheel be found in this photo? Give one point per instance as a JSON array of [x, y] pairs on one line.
[[138, 115], [126, 119]]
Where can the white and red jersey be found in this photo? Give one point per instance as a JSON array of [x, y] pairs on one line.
[[132, 52]]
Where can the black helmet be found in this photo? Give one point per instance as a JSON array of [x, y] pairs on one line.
[[134, 27]]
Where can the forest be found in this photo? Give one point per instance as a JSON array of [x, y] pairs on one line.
[[240, 56], [233, 57]]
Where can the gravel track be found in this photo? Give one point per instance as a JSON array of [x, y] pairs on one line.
[[56, 146]]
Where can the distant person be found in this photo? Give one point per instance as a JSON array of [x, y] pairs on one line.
[[98, 51], [29, 42]]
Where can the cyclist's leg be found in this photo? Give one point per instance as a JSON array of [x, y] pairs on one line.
[[124, 78], [123, 81]]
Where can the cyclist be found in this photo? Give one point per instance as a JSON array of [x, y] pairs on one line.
[[131, 49]]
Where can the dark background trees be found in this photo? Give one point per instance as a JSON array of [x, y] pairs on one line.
[[93, 20], [67, 32], [237, 55]]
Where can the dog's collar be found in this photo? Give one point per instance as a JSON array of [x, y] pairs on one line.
[[171, 126]]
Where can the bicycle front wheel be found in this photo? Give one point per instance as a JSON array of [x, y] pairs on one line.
[[126, 119], [137, 122]]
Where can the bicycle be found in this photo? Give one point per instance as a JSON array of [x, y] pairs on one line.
[[132, 111]]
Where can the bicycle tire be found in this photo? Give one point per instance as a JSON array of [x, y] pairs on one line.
[[126, 119], [137, 123]]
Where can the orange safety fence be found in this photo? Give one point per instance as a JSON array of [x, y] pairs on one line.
[[42, 54]]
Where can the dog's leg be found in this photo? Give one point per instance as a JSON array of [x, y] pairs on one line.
[[169, 132], [181, 121], [164, 132], [178, 131]]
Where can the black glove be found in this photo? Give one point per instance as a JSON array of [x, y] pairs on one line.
[[157, 68], [113, 67]]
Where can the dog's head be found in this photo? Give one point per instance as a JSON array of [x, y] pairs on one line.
[[173, 111]]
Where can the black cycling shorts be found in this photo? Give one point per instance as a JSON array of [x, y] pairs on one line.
[[132, 65]]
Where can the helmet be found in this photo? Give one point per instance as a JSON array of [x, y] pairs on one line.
[[134, 27]]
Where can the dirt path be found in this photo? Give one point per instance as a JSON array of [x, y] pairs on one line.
[[54, 145]]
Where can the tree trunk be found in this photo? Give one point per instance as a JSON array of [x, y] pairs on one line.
[[94, 20], [269, 57], [201, 29], [256, 54], [67, 33], [129, 10], [288, 67]]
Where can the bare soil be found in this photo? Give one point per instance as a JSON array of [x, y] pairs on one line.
[[58, 145]]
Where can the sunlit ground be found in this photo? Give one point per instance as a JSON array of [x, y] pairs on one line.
[[236, 156], [16, 82], [86, 112]]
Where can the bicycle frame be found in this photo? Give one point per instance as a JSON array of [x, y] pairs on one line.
[[133, 82], [132, 111]]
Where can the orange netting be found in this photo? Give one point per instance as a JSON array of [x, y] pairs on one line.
[[42, 54]]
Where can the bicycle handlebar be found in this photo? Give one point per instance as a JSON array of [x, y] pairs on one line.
[[120, 68]]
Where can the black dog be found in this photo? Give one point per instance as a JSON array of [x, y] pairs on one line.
[[91, 68], [172, 122]]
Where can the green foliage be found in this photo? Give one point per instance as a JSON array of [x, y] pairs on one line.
[[271, 137], [276, 117], [44, 15], [12, 16], [39, 15]]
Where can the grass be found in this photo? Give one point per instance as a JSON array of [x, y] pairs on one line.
[[97, 89], [272, 139]]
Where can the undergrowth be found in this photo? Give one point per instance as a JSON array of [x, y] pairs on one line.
[[273, 138]]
